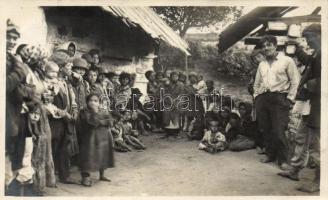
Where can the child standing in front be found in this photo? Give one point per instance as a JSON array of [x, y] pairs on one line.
[[213, 140], [96, 142]]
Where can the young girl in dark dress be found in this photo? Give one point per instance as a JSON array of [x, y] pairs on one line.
[[95, 140]]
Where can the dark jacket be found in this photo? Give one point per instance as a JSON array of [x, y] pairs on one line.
[[312, 77], [16, 92], [81, 91], [65, 100]]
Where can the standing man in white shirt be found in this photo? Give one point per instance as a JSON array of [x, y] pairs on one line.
[[275, 87]]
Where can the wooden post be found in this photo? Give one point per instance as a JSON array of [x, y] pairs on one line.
[[186, 67]]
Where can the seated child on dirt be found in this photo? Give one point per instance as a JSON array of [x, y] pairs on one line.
[[224, 118], [139, 118], [196, 128], [118, 135], [130, 135], [250, 126], [213, 140], [235, 135]]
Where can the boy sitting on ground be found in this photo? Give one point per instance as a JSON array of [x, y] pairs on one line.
[[250, 126], [196, 128], [118, 132], [224, 118], [142, 119], [129, 135], [213, 140]]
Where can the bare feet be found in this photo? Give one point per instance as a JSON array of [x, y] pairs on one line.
[[285, 167], [260, 150], [266, 159], [103, 178], [87, 182], [289, 174], [309, 187]]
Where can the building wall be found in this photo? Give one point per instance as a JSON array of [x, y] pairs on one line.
[[120, 50], [32, 31]]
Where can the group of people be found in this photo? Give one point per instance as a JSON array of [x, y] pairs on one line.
[[286, 93], [195, 108], [64, 110]]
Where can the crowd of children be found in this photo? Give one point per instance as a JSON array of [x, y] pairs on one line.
[[85, 114], [64, 109], [200, 112]]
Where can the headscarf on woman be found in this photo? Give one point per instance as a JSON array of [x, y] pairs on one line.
[[41, 156]]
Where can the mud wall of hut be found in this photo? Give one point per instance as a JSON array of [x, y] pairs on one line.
[[122, 48]]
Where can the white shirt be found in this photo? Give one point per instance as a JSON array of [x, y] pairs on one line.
[[200, 87], [280, 76], [219, 136]]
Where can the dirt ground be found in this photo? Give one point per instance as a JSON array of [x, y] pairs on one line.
[[176, 167]]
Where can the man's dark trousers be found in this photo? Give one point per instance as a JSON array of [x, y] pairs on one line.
[[272, 111]]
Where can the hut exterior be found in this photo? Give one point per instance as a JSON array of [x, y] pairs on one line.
[[127, 37]]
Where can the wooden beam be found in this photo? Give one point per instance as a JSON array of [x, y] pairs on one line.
[[316, 11], [252, 40], [247, 24], [294, 20]]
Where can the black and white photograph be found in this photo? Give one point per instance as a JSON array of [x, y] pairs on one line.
[[164, 99]]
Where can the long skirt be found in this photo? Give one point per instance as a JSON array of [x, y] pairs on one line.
[[96, 150]]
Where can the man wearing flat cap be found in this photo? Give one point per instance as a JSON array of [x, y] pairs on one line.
[[308, 89], [16, 72], [80, 87]]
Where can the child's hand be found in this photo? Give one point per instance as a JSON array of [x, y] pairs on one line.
[[35, 139], [214, 141], [62, 113], [77, 76], [69, 116], [47, 98]]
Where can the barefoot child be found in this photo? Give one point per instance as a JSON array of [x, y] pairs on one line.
[[141, 118], [213, 140], [96, 142], [129, 135], [119, 140]]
